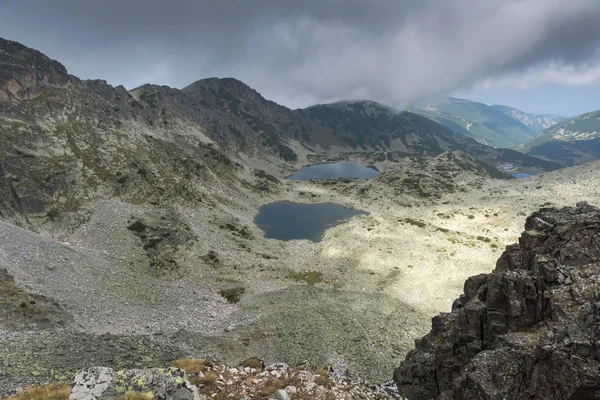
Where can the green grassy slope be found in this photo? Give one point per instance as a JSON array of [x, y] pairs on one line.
[[484, 123]]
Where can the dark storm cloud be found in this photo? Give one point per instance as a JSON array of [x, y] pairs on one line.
[[305, 51]]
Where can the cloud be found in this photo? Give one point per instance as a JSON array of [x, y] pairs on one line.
[[550, 74], [311, 51]]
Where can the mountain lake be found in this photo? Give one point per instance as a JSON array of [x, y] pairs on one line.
[[521, 176], [285, 220], [339, 170]]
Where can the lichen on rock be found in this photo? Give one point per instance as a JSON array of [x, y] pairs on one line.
[[99, 383]]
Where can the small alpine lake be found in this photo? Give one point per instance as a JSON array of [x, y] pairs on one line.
[[522, 175], [285, 220], [338, 170]]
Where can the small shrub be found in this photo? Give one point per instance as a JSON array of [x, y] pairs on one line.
[[415, 222], [471, 216], [323, 378], [233, 295], [207, 384], [271, 386], [443, 230], [253, 362], [192, 365]]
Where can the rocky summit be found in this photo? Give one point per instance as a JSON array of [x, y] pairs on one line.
[[528, 330]]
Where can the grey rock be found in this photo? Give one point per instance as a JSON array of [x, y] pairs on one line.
[[100, 383], [310, 386], [281, 395], [521, 332], [277, 367], [291, 389]]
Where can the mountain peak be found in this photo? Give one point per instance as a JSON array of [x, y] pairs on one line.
[[229, 84], [25, 72], [224, 89]]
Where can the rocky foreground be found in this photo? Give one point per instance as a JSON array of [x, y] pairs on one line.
[[528, 330], [200, 379]]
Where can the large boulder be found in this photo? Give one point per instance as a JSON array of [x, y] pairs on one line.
[[99, 383], [529, 330]]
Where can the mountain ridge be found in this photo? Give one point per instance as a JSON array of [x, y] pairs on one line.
[[536, 122], [478, 120], [571, 142], [52, 119], [498, 126]]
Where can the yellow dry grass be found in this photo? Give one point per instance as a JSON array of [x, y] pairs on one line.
[[57, 391], [192, 365]]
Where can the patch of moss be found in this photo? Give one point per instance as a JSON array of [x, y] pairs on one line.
[[415, 222], [233, 295], [137, 396], [311, 277]]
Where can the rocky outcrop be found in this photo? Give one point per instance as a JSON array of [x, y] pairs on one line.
[[202, 379], [528, 330], [100, 383], [24, 73], [21, 310], [163, 240]]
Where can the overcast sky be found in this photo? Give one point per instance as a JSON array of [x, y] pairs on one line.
[[539, 55]]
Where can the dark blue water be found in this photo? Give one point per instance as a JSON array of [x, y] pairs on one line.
[[520, 176], [338, 170], [285, 220]]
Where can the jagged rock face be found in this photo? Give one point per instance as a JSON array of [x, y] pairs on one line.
[[528, 330], [24, 72], [163, 240]]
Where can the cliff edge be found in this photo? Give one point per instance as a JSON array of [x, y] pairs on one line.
[[528, 330]]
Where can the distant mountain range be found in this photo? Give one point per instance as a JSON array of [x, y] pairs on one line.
[[574, 141], [535, 122], [497, 126]]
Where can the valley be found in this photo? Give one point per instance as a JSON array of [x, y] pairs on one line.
[[129, 234], [355, 300]]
